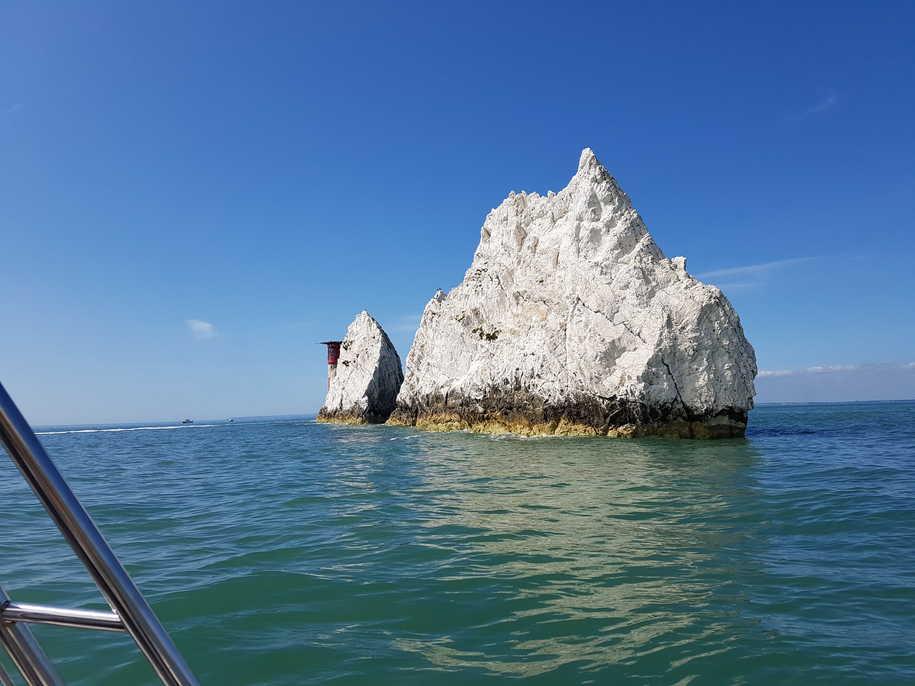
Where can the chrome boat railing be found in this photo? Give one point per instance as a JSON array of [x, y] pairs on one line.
[[130, 611]]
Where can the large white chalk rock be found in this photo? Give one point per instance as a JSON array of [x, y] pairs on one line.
[[571, 320], [368, 376]]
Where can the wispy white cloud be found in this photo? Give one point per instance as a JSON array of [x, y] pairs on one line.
[[15, 107], [834, 368], [827, 102], [739, 285], [754, 270], [200, 330], [826, 368], [778, 372]]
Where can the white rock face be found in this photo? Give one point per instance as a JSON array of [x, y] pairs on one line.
[[571, 320], [368, 377]]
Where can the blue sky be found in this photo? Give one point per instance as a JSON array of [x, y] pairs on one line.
[[193, 194]]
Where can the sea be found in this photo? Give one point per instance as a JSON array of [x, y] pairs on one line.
[[281, 551]]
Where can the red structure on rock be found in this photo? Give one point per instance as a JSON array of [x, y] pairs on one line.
[[333, 354]]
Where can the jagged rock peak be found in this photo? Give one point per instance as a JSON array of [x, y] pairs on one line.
[[586, 158], [571, 320], [364, 387]]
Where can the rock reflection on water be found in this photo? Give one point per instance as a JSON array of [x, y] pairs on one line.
[[584, 552]]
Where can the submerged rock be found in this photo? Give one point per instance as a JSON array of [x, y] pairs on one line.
[[571, 320], [364, 388]]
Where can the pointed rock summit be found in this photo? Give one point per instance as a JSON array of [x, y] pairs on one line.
[[571, 320], [368, 376]]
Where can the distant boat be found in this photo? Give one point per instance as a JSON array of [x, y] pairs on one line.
[[230, 421], [187, 421]]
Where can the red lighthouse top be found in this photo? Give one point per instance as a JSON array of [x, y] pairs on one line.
[[333, 351]]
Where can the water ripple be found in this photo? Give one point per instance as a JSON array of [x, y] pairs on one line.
[[298, 553]]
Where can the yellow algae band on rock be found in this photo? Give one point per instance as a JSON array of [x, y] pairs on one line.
[[572, 321], [722, 426], [326, 418]]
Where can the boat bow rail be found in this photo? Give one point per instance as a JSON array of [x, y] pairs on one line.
[[130, 611]]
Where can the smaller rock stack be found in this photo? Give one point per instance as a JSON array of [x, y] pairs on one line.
[[368, 377]]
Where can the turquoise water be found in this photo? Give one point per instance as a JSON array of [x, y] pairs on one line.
[[289, 552]]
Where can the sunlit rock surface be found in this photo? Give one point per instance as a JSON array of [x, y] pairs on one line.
[[368, 376], [571, 320]]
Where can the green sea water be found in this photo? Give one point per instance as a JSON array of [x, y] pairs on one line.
[[288, 552]]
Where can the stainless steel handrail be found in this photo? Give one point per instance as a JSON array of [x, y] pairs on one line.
[[25, 652], [61, 616], [87, 542]]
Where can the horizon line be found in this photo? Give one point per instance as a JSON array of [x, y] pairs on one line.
[[313, 413]]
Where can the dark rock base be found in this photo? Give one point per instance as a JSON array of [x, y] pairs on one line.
[[352, 417], [518, 413]]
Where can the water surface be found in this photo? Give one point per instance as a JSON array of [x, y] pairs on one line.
[[290, 552]]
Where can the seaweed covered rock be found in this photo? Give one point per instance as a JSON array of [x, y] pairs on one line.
[[571, 320], [364, 388]]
